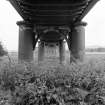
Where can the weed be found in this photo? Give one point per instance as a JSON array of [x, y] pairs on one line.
[[74, 84]]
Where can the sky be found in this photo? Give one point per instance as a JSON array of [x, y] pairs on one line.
[[95, 30]]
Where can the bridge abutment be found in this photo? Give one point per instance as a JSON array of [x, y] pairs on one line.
[[25, 47], [77, 42]]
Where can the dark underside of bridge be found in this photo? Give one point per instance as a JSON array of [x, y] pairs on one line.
[[53, 12], [54, 20]]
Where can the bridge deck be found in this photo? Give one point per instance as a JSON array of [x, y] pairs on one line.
[[53, 12]]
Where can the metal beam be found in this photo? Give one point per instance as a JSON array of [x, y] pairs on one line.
[[53, 12], [51, 4], [51, 15], [88, 8], [16, 6], [53, 7]]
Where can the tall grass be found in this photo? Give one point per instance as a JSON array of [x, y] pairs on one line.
[[32, 84]]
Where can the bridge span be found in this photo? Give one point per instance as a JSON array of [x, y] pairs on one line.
[[51, 23]]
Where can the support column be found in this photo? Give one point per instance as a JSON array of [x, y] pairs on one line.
[[77, 42], [40, 51], [62, 52], [25, 48]]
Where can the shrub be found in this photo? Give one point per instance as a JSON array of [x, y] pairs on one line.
[[2, 50], [81, 84]]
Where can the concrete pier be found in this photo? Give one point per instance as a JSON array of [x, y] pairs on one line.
[[77, 43], [62, 52], [25, 48], [40, 52]]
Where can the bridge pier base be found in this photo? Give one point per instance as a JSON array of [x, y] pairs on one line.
[[40, 52], [77, 43], [62, 52], [25, 48]]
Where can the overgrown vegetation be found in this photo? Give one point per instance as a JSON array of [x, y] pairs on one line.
[[75, 84]]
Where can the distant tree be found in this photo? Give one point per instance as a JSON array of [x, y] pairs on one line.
[[2, 50], [99, 49]]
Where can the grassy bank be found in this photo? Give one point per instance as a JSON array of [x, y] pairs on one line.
[[71, 84]]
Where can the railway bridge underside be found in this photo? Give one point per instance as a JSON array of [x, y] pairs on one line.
[[51, 23]]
